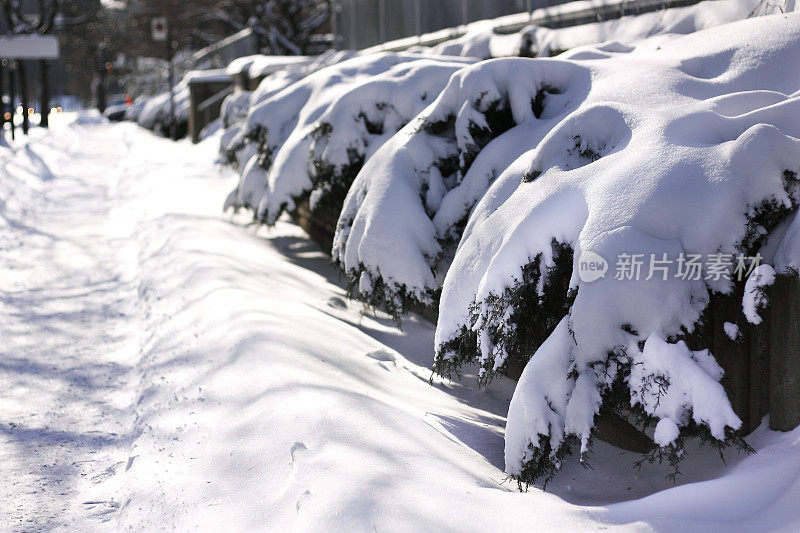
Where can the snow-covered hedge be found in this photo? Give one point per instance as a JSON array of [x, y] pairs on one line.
[[680, 146], [413, 197], [236, 105], [482, 188], [432, 142], [688, 147], [312, 137], [232, 114]]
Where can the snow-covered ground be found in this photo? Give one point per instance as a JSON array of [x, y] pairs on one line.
[[163, 366]]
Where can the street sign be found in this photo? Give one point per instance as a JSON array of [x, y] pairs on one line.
[[158, 28], [29, 47]]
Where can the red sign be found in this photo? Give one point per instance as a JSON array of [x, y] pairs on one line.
[[158, 28]]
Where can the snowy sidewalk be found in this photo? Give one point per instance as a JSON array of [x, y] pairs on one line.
[[68, 324], [71, 319], [163, 367]]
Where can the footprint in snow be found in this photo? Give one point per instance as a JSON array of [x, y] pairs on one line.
[[384, 357], [303, 496], [297, 447], [106, 474], [337, 303]]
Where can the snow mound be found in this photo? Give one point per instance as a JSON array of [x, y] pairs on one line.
[[689, 148]]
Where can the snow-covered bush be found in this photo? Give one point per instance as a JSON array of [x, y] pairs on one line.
[[690, 147], [234, 108], [383, 280], [232, 113], [406, 210], [313, 137], [481, 41], [281, 79], [147, 76], [236, 148], [278, 73], [155, 115]]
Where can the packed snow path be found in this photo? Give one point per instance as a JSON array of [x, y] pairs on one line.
[[162, 367], [69, 331]]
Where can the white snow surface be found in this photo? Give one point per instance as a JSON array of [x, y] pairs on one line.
[[163, 368], [207, 76], [665, 22]]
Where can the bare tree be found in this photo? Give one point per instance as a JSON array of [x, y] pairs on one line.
[[286, 26], [283, 27]]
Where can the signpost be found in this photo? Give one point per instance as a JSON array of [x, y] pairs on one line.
[[159, 29], [3, 101], [14, 49]]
